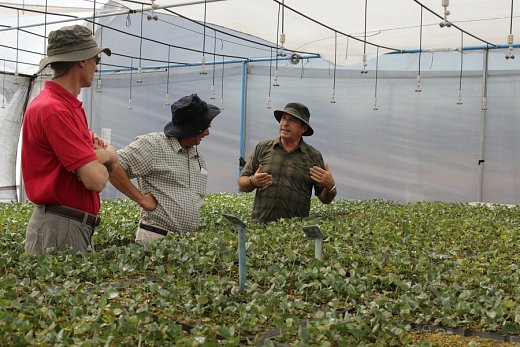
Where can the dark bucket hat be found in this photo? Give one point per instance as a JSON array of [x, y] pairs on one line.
[[299, 111], [71, 43], [190, 117]]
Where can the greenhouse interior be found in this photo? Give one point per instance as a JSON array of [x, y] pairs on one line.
[[414, 110]]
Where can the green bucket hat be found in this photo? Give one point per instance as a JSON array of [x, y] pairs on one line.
[[299, 111], [71, 43]]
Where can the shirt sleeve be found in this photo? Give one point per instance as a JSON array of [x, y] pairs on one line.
[[251, 165], [70, 140], [137, 158], [321, 163]]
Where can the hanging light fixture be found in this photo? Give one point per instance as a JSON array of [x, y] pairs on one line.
[[222, 86], [99, 81], [375, 88], [282, 34], [418, 78], [346, 49], [333, 98], [203, 58], [445, 22], [301, 71], [212, 92], [130, 104], [153, 15], [459, 97], [167, 96], [15, 81], [510, 41], [44, 41], [139, 70], [3, 88], [276, 73], [364, 58], [270, 69]]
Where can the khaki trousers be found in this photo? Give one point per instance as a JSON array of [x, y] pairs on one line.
[[50, 231]]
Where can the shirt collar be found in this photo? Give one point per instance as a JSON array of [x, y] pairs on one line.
[[192, 152], [302, 146], [63, 93]]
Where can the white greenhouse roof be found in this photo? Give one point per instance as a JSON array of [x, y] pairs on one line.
[[335, 29]]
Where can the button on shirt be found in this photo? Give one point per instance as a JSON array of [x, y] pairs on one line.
[[289, 195], [176, 177]]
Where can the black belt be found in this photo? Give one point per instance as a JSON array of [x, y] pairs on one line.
[[153, 229], [72, 213]]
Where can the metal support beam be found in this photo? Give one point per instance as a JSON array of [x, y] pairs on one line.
[[483, 122]]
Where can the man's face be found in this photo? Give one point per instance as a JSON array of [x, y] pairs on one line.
[[195, 140], [91, 67], [291, 128]]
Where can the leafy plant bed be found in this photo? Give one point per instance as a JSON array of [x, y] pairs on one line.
[[448, 340], [386, 269]]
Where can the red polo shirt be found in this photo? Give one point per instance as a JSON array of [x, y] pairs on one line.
[[55, 142]]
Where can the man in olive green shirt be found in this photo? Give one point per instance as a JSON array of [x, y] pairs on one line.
[[285, 170]]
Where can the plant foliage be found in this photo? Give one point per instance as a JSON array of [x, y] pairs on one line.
[[385, 267]]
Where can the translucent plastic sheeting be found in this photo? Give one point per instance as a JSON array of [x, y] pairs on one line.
[[12, 99], [415, 147], [150, 113]]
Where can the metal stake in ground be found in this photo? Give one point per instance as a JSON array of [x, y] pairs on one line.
[[241, 248], [313, 232]]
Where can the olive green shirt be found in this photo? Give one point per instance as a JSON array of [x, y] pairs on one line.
[[290, 194]]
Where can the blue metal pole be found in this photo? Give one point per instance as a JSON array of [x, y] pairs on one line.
[[243, 111], [230, 61], [242, 257], [465, 48]]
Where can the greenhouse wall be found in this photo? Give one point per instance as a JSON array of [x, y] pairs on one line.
[[415, 146]]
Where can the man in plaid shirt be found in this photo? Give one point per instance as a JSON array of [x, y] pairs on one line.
[[171, 174], [286, 169]]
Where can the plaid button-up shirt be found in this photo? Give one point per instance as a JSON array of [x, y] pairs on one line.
[[289, 195], [176, 177]]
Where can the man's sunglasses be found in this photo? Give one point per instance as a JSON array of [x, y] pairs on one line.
[[98, 59]]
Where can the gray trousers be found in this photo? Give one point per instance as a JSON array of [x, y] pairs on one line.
[[47, 230]]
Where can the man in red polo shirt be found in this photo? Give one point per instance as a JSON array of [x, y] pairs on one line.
[[64, 164]]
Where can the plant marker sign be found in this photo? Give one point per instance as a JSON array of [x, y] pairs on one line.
[[313, 232], [241, 248]]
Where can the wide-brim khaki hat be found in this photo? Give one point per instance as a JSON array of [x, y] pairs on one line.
[[71, 43], [299, 111]]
